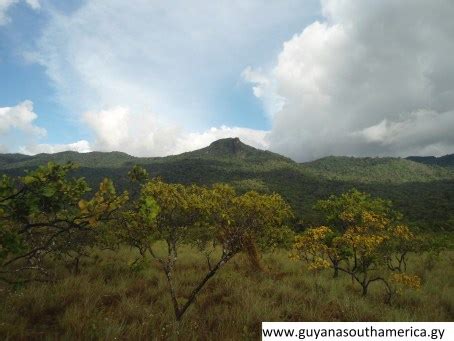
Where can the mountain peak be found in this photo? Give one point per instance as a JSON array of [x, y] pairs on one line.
[[232, 148], [228, 146]]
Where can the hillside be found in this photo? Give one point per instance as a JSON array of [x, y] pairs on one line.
[[423, 192], [379, 170], [90, 160], [443, 161]]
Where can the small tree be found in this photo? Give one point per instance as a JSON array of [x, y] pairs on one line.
[[206, 218], [42, 214], [367, 241]]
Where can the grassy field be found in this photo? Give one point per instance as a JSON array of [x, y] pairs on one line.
[[110, 299]]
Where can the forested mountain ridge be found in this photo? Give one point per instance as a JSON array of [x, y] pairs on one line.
[[92, 159], [231, 149], [378, 169], [232, 153], [444, 161], [423, 192]]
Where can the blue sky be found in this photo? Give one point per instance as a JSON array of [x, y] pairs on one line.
[[24, 80], [303, 78]]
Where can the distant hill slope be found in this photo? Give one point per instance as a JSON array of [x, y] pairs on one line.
[[379, 170], [443, 161], [423, 192], [91, 160]]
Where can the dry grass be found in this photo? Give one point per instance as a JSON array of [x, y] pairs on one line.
[[111, 300]]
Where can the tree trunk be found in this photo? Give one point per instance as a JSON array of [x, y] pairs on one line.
[[180, 312], [336, 269], [76, 268], [253, 256]]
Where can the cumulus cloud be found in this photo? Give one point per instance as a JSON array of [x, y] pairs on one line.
[[6, 4], [137, 133], [81, 146], [20, 117], [143, 134], [264, 88], [19, 133], [372, 78]]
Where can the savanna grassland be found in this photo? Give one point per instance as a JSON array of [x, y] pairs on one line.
[[111, 298]]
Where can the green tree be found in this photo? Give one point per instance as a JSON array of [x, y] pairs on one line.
[[42, 214], [341, 212], [214, 220], [364, 239]]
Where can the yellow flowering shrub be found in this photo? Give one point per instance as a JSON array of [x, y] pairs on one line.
[[319, 263], [363, 238], [405, 280], [402, 232]]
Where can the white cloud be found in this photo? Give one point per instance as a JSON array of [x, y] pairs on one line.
[[6, 4], [17, 126], [19, 133], [265, 89], [81, 146], [143, 134], [373, 78], [21, 118], [34, 4], [137, 133]]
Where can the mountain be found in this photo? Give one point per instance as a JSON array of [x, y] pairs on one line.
[[233, 148], [423, 192]]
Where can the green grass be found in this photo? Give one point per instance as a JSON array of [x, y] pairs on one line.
[[109, 299]]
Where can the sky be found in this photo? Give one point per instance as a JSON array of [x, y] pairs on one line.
[[304, 78]]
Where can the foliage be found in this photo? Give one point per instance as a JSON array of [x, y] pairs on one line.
[[365, 240], [381, 170], [43, 214], [206, 218], [349, 208]]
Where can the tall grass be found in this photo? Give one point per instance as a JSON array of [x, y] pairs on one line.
[[111, 299]]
